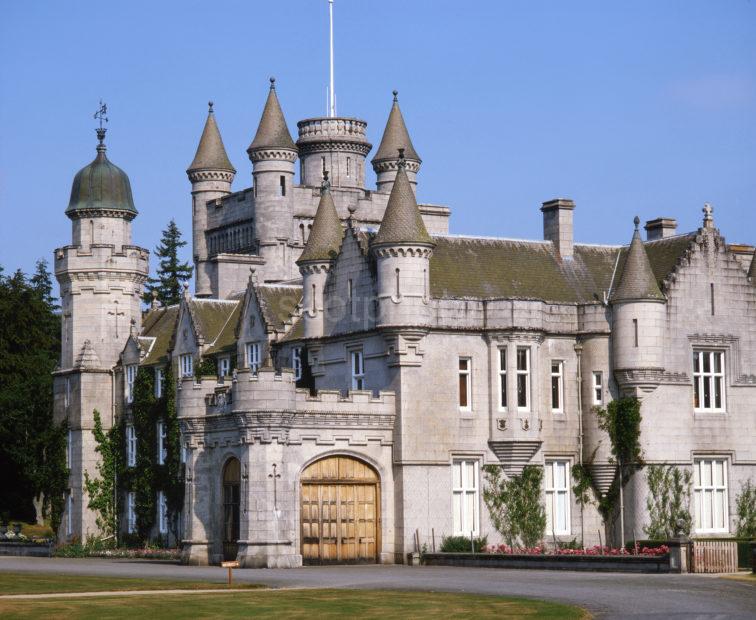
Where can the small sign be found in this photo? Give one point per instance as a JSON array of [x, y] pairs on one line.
[[231, 564]]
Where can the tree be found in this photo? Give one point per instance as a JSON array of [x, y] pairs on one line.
[[745, 503], [515, 504], [668, 502], [171, 273], [102, 489]]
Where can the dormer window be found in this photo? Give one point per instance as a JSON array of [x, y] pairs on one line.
[[186, 364], [253, 356], [358, 370], [131, 372]]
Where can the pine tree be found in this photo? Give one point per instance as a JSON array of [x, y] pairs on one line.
[[171, 273]]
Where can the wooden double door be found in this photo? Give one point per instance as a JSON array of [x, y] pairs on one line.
[[340, 512]]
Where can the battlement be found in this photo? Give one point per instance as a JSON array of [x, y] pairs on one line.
[[101, 257]]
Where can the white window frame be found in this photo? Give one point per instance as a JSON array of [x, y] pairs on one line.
[[224, 366], [462, 493], [710, 498], [296, 362], [597, 387], [553, 492], [162, 439], [253, 356], [162, 508], [159, 379], [69, 448], [131, 373], [503, 387], [69, 513], [710, 379], [131, 445], [357, 368], [559, 377], [526, 373], [130, 512], [464, 374], [186, 363]]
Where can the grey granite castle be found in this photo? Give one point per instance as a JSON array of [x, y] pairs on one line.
[[369, 364]]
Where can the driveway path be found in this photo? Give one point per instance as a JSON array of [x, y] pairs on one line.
[[607, 595]]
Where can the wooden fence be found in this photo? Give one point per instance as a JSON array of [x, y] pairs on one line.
[[715, 556]]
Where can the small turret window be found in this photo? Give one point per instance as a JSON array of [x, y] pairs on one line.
[[350, 295], [282, 180], [349, 166], [314, 305], [635, 332], [322, 161], [398, 292]]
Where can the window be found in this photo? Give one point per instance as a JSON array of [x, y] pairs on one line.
[[69, 514], [708, 380], [557, 387], [398, 290], [557, 490], [187, 365], [131, 445], [131, 372], [350, 296], [253, 356], [710, 495], [349, 165], [503, 378], [159, 379], [69, 449], [598, 388], [635, 331], [358, 370], [296, 362], [162, 438], [465, 397], [162, 515], [465, 497], [182, 457], [224, 366], [523, 379], [282, 181], [130, 512], [322, 163], [67, 395]]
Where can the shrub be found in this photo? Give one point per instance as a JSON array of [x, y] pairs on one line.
[[745, 503], [668, 502], [515, 504], [461, 544]]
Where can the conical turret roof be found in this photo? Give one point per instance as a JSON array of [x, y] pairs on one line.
[[402, 222], [211, 154], [395, 137], [272, 132], [638, 281], [326, 235]]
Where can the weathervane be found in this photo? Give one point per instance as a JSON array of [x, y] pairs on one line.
[[101, 115]]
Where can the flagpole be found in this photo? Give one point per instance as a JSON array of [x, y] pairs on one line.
[[332, 110]]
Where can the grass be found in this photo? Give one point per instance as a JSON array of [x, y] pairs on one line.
[[322, 604], [742, 576], [41, 583]]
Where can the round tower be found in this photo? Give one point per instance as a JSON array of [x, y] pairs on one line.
[[386, 160], [402, 249], [638, 313], [273, 154], [211, 175], [317, 258]]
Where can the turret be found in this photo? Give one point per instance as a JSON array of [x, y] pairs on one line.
[[273, 154], [395, 137], [638, 313], [317, 258], [211, 175], [402, 249]]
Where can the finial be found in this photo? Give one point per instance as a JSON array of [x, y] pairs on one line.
[[252, 275], [708, 220], [272, 83], [132, 327], [155, 303], [101, 115], [396, 93], [186, 290], [326, 184], [402, 162], [351, 208], [636, 221], [209, 107]]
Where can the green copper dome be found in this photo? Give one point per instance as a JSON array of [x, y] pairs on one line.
[[101, 186]]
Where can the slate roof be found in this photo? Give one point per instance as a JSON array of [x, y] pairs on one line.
[[160, 325], [326, 235], [402, 222], [637, 280], [272, 132], [211, 154], [395, 137], [211, 316], [278, 303]]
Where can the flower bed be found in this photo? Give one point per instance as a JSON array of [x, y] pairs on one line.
[[588, 551], [77, 550]]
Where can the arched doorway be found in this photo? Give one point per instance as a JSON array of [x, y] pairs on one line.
[[340, 512], [231, 482]]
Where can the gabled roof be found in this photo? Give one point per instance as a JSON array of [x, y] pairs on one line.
[[395, 137], [209, 317], [226, 337], [160, 325], [278, 303], [272, 132], [211, 154], [326, 235], [402, 222], [637, 280]]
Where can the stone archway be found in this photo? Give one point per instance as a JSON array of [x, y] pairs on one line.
[[340, 512], [231, 508]]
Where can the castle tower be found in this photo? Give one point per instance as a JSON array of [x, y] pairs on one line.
[[317, 258], [386, 160], [402, 249], [273, 154], [211, 175], [101, 276], [638, 314]]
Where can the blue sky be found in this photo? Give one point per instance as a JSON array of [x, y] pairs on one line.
[[642, 107]]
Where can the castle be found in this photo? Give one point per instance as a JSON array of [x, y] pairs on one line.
[[369, 364]]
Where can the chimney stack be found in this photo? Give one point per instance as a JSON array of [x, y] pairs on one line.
[[557, 225], [660, 228]]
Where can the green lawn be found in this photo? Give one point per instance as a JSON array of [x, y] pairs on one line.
[[305, 604]]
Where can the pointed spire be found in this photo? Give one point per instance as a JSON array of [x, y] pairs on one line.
[[272, 131], [402, 222], [326, 235], [638, 281], [395, 136], [211, 154]]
